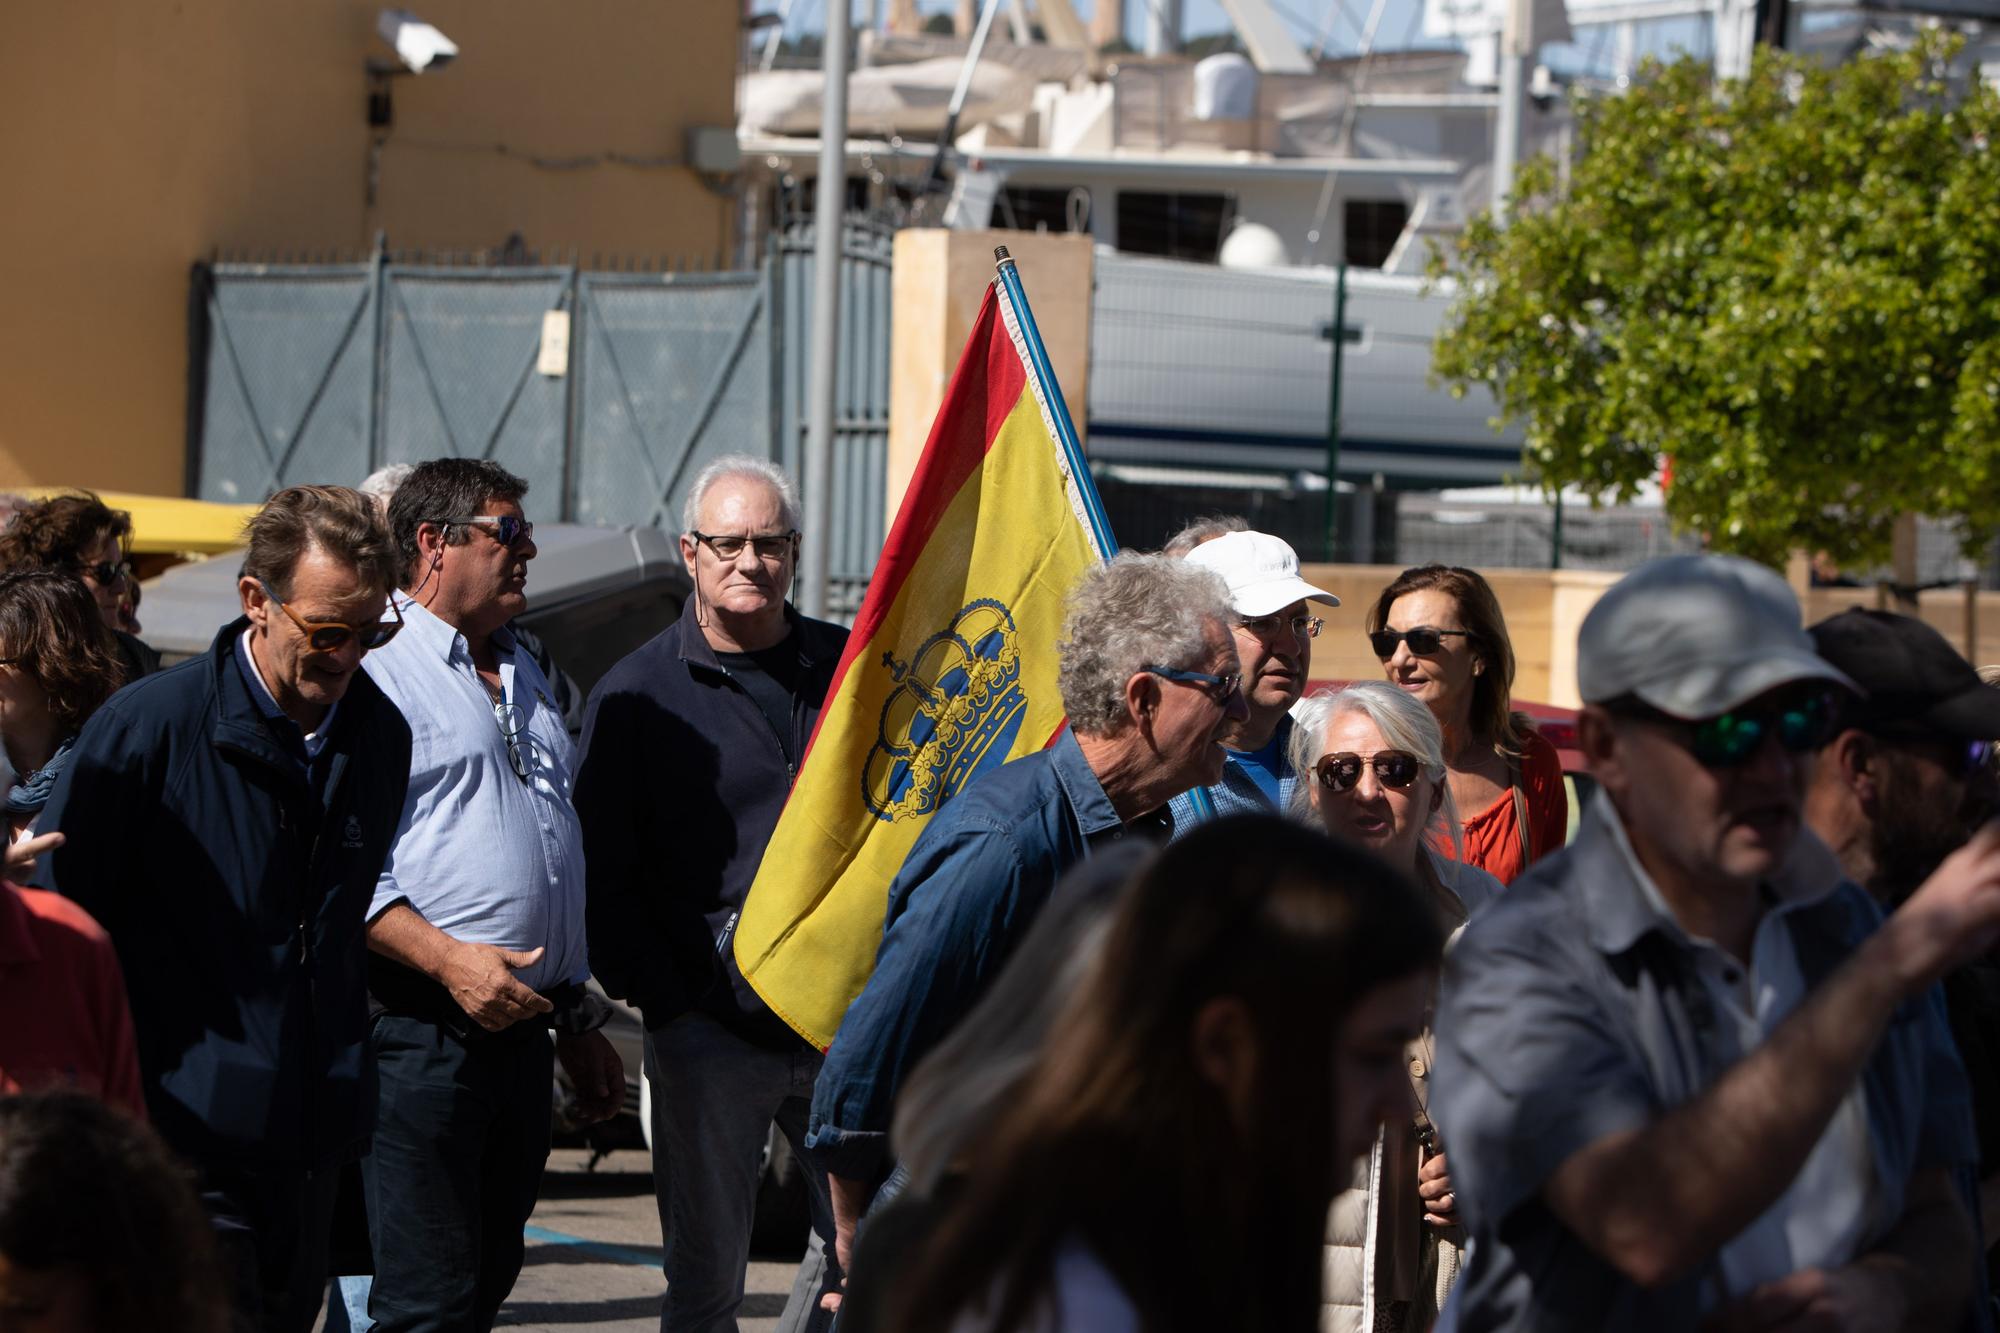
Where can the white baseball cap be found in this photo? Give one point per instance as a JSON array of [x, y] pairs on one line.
[[1262, 572]]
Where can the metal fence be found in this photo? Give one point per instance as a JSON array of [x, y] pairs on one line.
[[325, 371]]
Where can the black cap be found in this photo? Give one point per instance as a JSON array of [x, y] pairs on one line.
[[1919, 687]]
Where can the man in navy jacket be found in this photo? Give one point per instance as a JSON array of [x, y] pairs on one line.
[[691, 745], [226, 820]]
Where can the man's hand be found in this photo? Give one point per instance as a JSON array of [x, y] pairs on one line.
[[1434, 1188], [22, 849], [481, 978], [1858, 1298], [595, 1073], [850, 1201], [1952, 918]]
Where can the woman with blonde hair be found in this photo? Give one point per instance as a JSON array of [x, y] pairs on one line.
[[1375, 775]]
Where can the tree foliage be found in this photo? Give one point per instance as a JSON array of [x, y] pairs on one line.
[[1788, 284]]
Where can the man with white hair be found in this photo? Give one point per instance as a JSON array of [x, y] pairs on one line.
[[1274, 628], [1689, 1074], [691, 745], [1150, 681]]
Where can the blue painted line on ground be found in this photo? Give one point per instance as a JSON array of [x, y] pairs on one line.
[[617, 1254]]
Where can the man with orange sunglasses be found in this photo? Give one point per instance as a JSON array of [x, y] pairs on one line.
[[226, 821]]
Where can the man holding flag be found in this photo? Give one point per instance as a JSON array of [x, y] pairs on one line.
[[1149, 679]]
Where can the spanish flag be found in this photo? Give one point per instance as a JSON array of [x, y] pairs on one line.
[[949, 671]]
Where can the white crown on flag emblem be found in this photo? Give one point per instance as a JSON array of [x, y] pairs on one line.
[[957, 702]]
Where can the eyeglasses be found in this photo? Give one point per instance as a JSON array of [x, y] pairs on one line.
[[1423, 641], [326, 636], [1801, 722], [105, 574], [523, 755], [1393, 768], [1269, 627], [1221, 689], [507, 529], [770, 547]]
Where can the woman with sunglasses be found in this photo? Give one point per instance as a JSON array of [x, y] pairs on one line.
[[1374, 756], [78, 534], [1442, 639]]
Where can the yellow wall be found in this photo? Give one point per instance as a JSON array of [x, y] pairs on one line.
[[144, 134]]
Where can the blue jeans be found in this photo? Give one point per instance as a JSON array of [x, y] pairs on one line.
[[715, 1096], [461, 1137], [347, 1304]]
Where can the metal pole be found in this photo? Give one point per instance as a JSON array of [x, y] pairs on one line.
[[1333, 415], [829, 208], [1515, 53]]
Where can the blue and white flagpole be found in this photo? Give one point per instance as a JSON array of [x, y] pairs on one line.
[[1014, 308]]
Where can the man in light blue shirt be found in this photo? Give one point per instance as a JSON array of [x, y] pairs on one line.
[[476, 930]]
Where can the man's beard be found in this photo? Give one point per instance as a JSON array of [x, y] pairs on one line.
[[1914, 833]]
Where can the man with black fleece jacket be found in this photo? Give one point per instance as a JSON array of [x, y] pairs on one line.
[[691, 745]]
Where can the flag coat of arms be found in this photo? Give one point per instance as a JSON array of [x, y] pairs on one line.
[[950, 669]]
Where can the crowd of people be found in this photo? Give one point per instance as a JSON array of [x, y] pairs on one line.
[[1233, 1008]]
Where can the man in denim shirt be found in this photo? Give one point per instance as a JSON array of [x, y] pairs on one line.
[[1685, 1069], [1149, 679]]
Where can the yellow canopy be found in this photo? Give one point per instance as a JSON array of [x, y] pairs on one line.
[[163, 524]]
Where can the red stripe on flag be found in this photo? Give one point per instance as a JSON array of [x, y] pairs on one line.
[[984, 389]]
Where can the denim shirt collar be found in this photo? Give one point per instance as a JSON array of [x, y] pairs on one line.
[[1622, 905], [1093, 809]]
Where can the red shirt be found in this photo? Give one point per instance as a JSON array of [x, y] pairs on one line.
[[64, 1020], [1493, 835]]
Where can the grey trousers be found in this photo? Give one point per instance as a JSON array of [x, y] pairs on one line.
[[715, 1096]]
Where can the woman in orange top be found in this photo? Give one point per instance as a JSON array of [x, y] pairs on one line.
[[1440, 635]]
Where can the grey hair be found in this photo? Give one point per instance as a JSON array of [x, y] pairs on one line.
[[1990, 674], [960, 1091], [1129, 612], [740, 465], [1405, 724], [1205, 529], [383, 482]]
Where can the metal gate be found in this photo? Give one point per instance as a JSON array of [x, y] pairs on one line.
[[324, 372]]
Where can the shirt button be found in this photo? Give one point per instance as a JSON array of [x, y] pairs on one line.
[[1416, 1066]]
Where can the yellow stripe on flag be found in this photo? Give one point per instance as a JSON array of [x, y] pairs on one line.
[[951, 670]]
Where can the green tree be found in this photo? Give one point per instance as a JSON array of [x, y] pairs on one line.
[[1789, 285]]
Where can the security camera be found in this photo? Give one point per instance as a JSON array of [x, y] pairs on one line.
[[420, 46]]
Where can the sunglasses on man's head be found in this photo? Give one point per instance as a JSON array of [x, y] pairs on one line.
[[1423, 640], [1802, 721], [1393, 768], [327, 636]]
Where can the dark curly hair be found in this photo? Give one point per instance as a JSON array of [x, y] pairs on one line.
[[51, 630], [86, 1186], [52, 533]]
